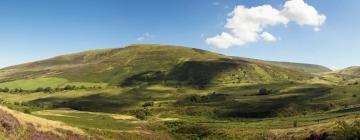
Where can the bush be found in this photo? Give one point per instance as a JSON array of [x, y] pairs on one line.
[[68, 87], [295, 124], [265, 91], [346, 131], [40, 89], [320, 136], [4, 89], [194, 131], [142, 114], [148, 104], [27, 111], [48, 90]]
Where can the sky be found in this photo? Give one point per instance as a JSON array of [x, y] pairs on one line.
[[324, 32]]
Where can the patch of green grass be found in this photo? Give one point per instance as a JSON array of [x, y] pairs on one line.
[[53, 82], [86, 120]]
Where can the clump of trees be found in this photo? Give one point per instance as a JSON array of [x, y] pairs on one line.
[[206, 98], [47, 89], [265, 91], [148, 104], [142, 114], [4, 89], [16, 90]]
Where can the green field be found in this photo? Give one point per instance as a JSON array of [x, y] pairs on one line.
[[172, 92], [229, 108]]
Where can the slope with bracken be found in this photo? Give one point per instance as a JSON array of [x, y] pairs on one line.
[[155, 64]]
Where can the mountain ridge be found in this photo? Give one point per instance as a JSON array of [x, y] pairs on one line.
[[152, 63]]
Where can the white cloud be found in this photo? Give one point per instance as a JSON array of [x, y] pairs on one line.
[[302, 13], [267, 36], [316, 29], [247, 25], [144, 36], [224, 40]]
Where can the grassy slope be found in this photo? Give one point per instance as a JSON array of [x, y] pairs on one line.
[[53, 82], [308, 68], [24, 126], [234, 111], [161, 63], [355, 70], [236, 108]]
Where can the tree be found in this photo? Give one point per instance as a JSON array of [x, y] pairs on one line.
[[148, 104], [295, 124], [6, 89], [68, 87], [48, 90], [40, 89], [265, 91]]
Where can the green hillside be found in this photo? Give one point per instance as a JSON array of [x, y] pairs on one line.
[[308, 68], [355, 70], [151, 64], [173, 92]]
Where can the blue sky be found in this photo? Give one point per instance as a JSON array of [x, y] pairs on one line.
[[39, 29]]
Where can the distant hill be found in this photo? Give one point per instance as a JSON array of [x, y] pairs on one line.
[[308, 68], [354, 70], [142, 63]]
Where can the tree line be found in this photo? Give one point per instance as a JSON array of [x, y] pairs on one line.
[[47, 89]]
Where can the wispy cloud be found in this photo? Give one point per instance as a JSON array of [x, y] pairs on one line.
[[216, 3], [144, 37]]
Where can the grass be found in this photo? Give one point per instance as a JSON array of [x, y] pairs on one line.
[[210, 95], [53, 82], [223, 108], [89, 120]]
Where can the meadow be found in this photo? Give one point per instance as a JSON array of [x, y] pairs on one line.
[[227, 111]]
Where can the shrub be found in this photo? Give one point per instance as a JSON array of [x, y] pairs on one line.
[[142, 114], [68, 87], [320, 136], [40, 89], [48, 90], [194, 131], [27, 111], [347, 131], [148, 104], [265, 91], [6, 89], [295, 124]]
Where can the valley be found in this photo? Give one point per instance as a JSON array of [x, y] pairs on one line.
[[171, 92]]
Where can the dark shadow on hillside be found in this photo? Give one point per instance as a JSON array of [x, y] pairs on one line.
[[199, 73], [101, 102], [148, 77], [191, 73], [271, 107]]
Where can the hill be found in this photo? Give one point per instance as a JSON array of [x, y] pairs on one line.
[[153, 64], [354, 70], [308, 68], [154, 95], [16, 125]]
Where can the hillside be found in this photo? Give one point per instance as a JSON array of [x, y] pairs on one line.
[[152, 64], [308, 68], [174, 92], [355, 70], [16, 125]]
